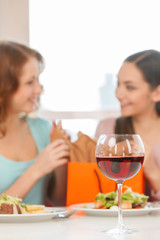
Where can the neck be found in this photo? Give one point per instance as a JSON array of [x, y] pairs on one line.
[[144, 122], [12, 122]]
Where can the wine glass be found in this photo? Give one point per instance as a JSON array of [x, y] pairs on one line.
[[119, 157]]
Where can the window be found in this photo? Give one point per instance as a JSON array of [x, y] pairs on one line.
[[84, 43]]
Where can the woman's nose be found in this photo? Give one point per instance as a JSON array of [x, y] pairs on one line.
[[38, 88], [120, 93]]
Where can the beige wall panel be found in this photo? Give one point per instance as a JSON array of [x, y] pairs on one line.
[[14, 20]]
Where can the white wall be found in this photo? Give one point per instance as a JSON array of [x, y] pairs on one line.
[[84, 45], [14, 20]]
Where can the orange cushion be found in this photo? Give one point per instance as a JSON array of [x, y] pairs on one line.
[[85, 181]]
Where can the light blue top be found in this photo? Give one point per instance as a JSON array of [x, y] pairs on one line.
[[11, 170]]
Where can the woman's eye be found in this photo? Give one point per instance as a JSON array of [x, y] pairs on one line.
[[130, 87], [30, 82]]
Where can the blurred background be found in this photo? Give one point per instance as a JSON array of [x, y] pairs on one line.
[[84, 43]]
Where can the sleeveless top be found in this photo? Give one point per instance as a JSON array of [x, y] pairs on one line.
[[11, 170]]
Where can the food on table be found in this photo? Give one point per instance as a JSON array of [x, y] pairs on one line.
[[9, 209], [10, 205], [35, 208], [14, 205], [130, 200]]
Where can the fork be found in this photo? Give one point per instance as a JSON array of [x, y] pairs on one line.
[[67, 214]]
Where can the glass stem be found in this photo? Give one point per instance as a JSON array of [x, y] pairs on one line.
[[120, 220]]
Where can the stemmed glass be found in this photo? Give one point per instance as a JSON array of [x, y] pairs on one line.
[[119, 157]]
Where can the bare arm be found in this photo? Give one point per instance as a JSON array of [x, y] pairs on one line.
[[53, 156], [150, 169], [24, 184]]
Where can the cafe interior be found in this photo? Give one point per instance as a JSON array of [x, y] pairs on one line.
[[84, 43]]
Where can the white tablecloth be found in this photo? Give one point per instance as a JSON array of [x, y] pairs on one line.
[[82, 227]]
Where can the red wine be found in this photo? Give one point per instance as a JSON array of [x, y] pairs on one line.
[[120, 168]]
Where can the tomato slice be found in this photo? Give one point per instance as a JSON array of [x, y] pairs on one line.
[[137, 207], [100, 207]]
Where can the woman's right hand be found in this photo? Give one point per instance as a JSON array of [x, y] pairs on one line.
[[53, 156]]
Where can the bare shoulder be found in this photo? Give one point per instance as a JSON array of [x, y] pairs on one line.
[[107, 121], [105, 126]]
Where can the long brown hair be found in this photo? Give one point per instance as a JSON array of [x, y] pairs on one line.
[[124, 126], [148, 62], [13, 57]]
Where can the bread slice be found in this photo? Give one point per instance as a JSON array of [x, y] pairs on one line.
[[35, 208], [38, 211]]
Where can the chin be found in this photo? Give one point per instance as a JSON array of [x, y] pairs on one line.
[[28, 110], [125, 114]]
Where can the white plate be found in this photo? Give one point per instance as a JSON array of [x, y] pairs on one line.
[[50, 213], [89, 209]]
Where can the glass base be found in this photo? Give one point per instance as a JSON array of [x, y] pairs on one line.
[[120, 231]]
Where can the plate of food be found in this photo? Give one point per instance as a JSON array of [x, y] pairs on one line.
[[107, 204], [12, 209]]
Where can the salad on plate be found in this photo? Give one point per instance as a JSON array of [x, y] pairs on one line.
[[130, 200]]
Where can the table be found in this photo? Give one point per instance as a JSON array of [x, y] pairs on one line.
[[82, 227]]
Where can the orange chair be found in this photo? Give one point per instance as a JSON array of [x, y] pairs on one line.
[[85, 181]]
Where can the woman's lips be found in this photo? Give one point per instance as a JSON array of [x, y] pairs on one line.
[[123, 106], [33, 101]]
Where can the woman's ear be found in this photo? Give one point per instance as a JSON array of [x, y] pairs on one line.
[[156, 94]]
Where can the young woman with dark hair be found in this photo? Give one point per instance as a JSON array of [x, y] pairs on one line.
[[138, 91]]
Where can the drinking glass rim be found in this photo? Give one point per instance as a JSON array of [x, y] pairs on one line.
[[116, 134]]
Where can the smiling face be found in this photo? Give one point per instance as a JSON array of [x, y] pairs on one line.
[[29, 90], [133, 92]]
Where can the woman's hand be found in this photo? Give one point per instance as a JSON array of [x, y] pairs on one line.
[[53, 156], [59, 127]]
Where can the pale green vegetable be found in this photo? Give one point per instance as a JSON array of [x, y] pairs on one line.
[[111, 199]]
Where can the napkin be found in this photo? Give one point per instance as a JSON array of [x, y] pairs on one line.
[[82, 150]]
